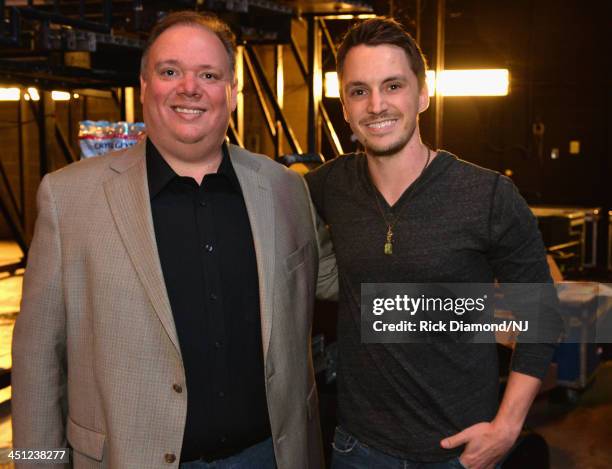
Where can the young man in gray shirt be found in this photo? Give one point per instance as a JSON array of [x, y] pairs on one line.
[[401, 212]]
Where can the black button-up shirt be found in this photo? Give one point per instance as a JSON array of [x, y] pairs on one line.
[[208, 260]]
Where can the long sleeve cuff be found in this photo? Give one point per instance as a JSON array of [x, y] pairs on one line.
[[532, 359]]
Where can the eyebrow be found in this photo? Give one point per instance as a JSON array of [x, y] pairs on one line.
[[176, 62], [386, 80]]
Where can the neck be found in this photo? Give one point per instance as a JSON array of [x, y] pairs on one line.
[[192, 161], [392, 175]]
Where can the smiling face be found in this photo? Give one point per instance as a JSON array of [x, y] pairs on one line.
[[187, 91], [381, 98]]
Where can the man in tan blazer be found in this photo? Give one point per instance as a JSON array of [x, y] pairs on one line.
[[139, 343]]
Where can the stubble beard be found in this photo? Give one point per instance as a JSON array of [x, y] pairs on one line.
[[392, 149]]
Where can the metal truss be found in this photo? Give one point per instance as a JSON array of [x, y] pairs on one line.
[[36, 40]]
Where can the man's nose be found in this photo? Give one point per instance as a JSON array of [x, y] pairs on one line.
[[189, 85], [376, 102]]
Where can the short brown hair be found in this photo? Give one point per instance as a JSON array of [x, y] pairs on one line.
[[383, 31], [207, 21]]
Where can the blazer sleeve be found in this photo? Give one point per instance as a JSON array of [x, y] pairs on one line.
[[327, 279], [39, 339]]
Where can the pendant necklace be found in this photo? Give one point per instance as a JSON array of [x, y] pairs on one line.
[[388, 248]]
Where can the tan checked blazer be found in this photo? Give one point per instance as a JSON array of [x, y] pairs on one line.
[[96, 359]]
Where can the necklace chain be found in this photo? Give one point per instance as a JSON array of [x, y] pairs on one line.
[[388, 248]]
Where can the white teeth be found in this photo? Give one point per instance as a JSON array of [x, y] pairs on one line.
[[381, 124], [185, 110]]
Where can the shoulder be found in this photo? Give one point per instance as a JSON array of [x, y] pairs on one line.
[[338, 165], [89, 173], [337, 171], [277, 175], [469, 172], [81, 167], [86, 167], [463, 181], [257, 161]]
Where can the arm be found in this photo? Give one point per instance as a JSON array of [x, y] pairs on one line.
[[487, 442], [39, 339], [520, 392], [516, 255], [327, 280]]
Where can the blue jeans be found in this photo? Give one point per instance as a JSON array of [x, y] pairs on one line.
[[350, 453], [259, 456]]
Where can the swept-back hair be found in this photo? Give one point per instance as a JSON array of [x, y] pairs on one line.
[[383, 31]]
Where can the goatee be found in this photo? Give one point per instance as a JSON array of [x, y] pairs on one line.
[[392, 149]]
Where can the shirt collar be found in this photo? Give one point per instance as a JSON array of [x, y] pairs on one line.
[[159, 172]]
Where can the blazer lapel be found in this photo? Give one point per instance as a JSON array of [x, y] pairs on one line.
[[260, 208], [128, 198]]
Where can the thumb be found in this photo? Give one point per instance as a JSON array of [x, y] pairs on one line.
[[455, 440]]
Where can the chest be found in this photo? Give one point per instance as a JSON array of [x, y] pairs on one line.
[[434, 238]]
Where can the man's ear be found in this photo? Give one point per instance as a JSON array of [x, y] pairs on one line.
[[344, 113], [423, 98], [143, 87], [234, 95]]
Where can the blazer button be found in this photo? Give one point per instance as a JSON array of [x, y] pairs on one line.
[[169, 458], [177, 388]]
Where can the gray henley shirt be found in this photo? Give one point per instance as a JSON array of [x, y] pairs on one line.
[[457, 223]]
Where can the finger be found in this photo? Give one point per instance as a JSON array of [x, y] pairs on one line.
[[455, 440]]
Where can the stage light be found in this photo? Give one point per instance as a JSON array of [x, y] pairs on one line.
[[487, 82], [10, 94], [430, 79], [33, 93], [332, 89], [60, 96]]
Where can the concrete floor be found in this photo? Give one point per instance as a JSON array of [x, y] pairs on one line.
[[579, 434]]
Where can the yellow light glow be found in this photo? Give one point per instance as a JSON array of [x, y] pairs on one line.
[[430, 79], [129, 104], [486, 82], [75, 95], [26, 96], [332, 90], [491, 82], [60, 96], [33, 92], [10, 94], [348, 16], [318, 85]]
